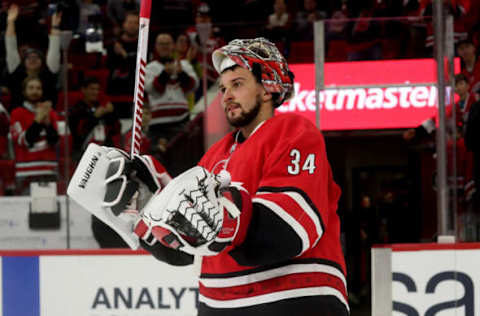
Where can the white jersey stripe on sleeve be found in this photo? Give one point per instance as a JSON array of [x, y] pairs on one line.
[[287, 218], [300, 200], [273, 273]]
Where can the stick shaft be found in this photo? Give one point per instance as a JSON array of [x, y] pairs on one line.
[[138, 97]]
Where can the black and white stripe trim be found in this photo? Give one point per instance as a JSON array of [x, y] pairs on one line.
[[273, 297], [287, 218], [304, 201], [300, 267], [273, 266]]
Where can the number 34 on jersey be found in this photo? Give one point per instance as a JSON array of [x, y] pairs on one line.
[[301, 162]]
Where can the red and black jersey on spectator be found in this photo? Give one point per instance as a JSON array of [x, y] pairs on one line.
[[460, 9], [462, 109], [145, 145], [122, 69], [87, 128], [473, 76], [292, 246], [34, 143], [4, 126]]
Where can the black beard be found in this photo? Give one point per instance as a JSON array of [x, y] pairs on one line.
[[246, 117]]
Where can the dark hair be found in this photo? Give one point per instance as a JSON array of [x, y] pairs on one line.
[[468, 40], [131, 12], [460, 77], [89, 80], [30, 51]]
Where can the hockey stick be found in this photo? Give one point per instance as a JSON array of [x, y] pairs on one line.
[[142, 47]]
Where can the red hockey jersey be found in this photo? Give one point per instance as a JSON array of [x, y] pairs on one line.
[[35, 159], [292, 247]]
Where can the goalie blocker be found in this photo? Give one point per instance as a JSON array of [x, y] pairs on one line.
[[188, 215]]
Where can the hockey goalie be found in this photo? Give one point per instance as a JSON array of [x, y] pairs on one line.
[[260, 207]]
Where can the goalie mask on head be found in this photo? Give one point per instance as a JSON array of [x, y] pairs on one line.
[[273, 69]]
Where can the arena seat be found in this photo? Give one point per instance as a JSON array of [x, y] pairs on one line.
[[100, 74], [301, 52], [7, 181], [86, 60], [337, 51], [72, 98], [6, 99]]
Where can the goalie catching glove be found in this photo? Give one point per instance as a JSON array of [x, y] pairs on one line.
[[197, 213], [106, 183]]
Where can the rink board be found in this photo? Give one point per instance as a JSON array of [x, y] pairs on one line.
[[95, 283], [426, 279], [15, 232]]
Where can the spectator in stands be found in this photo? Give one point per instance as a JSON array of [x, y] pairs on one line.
[[470, 63], [33, 63], [472, 142], [34, 135], [462, 89], [122, 57], [462, 107], [117, 12], [213, 41], [88, 12], [92, 119], [185, 50], [158, 149], [168, 81], [305, 18], [336, 27], [460, 12], [146, 144], [31, 22], [365, 33], [279, 22], [4, 123]]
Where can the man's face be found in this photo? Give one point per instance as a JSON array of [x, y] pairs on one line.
[[310, 5], [466, 50], [203, 18], [461, 87], [279, 6], [182, 43], [241, 96], [33, 62], [130, 25], [91, 92], [33, 91], [146, 117], [164, 45]]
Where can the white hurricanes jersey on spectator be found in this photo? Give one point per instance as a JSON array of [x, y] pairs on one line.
[[168, 102]]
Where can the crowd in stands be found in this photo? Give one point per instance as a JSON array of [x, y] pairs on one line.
[[101, 83], [33, 109]]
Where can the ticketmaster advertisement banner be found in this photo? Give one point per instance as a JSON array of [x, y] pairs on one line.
[[436, 282], [356, 97], [98, 285]]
